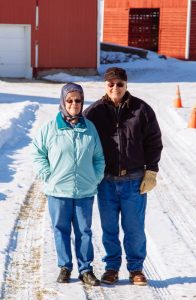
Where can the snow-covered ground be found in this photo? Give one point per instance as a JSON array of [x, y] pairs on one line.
[[27, 257]]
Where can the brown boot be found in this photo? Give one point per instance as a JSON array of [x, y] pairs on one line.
[[109, 277], [64, 275], [137, 278], [89, 278]]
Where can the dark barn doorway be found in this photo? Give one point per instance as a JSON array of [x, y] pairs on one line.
[[144, 28]]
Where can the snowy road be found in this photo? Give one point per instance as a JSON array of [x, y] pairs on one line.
[[28, 265], [35, 254]]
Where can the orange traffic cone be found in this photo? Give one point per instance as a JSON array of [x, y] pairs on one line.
[[192, 120], [178, 101]]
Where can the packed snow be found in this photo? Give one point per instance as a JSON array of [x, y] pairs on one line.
[[28, 266]]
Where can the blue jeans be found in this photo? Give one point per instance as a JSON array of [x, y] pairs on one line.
[[117, 197], [65, 212]]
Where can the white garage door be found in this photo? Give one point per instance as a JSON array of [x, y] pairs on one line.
[[15, 51]]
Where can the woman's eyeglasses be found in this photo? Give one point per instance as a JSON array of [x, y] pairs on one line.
[[74, 100], [118, 84]]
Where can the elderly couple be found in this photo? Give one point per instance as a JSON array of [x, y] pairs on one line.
[[113, 149]]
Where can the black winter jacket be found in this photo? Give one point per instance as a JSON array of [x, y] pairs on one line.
[[130, 135]]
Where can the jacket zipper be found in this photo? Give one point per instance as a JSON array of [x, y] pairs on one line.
[[118, 112]]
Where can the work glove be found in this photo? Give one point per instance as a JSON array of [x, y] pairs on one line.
[[148, 182]]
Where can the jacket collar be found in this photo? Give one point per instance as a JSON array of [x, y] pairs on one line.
[[125, 100], [62, 124]]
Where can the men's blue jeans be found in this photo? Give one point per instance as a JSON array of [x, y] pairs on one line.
[[65, 212], [117, 197]]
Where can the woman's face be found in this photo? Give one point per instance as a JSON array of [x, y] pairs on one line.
[[73, 103], [116, 89]]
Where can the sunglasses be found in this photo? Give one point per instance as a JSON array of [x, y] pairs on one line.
[[75, 100], [118, 84]]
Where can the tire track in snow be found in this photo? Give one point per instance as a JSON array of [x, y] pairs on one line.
[[176, 195], [180, 160], [178, 173], [180, 194], [174, 203], [182, 247], [152, 264], [23, 273]]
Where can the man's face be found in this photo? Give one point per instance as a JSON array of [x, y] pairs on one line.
[[116, 88]]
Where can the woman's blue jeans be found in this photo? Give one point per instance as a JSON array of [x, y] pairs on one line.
[[122, 197], [67, 212]]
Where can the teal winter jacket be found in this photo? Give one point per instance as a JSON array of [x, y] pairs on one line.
[[69, 159]]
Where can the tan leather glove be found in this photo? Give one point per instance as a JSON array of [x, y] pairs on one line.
[[148, 182]]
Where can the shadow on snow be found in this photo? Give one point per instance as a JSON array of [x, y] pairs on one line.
[[13, 98], [171, 281]]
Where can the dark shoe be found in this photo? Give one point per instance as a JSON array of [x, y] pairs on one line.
[[109, 277], [64, 275], [137, 278], [89, 278]]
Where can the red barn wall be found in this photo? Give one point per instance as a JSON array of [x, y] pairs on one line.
[[116, 26], [172, 32], [20, 12], [145, 3], [67, 32], [172, 23], [193, 32]]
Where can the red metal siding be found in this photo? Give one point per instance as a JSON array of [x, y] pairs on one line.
[[116, 26], [19, 12], [67, 34], [172, 36], [116, 4], [172, 23], [144, 3], [193, 32], [158, 3]]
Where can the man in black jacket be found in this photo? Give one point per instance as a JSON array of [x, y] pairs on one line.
[[132, 145]]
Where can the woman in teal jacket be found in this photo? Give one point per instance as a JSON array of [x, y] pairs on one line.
[[68, 157]]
